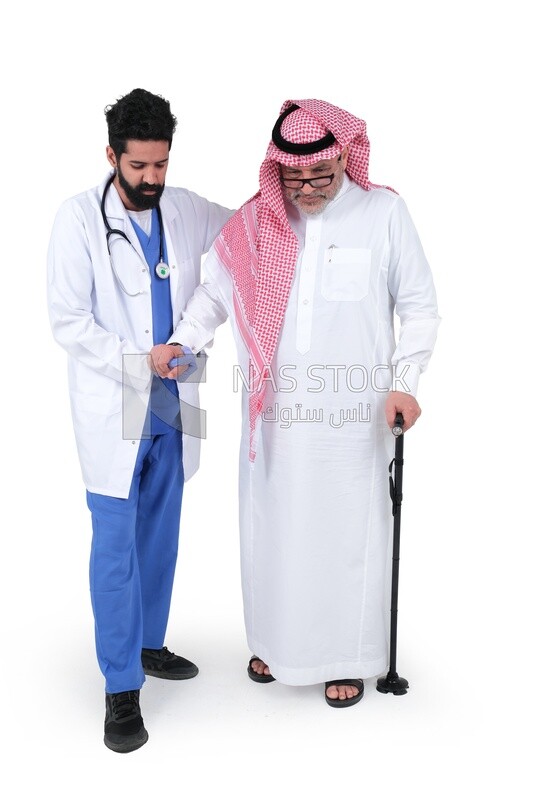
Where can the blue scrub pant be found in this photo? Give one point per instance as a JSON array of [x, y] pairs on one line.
[[133, 559]]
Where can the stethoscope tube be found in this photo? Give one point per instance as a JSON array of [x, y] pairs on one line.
[[162, 269]]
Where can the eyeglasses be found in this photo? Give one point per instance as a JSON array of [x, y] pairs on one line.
[[299, 183], [316, 183]]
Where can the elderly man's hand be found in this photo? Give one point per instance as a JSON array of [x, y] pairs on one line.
[[401, 402], [160, 357]]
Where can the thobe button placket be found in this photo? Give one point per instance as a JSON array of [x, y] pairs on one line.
[[306, 287]]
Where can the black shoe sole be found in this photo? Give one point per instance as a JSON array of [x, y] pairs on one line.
[[127, 744], [171, 676], [255, 676]]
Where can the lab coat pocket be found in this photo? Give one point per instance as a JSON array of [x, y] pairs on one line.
[[346, 273], [97, 405], [129, 268]]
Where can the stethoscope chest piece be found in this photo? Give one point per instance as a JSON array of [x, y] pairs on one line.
[[162, 270]]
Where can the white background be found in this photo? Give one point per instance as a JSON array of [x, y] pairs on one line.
[[446, 91]]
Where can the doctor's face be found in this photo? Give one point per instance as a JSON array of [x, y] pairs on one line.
[[141, 172]]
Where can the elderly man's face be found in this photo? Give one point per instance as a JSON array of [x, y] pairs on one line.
[[313, 199]]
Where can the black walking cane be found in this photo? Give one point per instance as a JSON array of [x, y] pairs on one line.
[[392, 683]]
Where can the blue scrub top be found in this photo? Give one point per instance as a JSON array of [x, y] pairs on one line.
[[164, 403]]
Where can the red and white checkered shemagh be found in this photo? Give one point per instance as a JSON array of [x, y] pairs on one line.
[[258, 246]]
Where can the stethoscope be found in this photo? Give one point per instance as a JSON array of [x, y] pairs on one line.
[[162, 269]]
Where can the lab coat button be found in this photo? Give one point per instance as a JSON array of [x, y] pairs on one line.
[[147, 331]]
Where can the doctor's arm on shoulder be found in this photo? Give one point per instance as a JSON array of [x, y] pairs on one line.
[[72, 269]]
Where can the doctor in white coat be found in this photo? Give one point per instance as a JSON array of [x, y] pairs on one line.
[[123, 260]]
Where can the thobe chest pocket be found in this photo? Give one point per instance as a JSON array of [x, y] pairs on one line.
[[345, 273]]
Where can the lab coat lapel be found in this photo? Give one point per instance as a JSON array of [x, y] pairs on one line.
[[128, 261], [169, 212]]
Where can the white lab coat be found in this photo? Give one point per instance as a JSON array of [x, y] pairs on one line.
[[315, 515], [101, 313]]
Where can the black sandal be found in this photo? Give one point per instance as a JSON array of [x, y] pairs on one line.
[[255, 676], [350, 701]]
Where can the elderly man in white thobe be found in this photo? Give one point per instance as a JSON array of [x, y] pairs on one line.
[[310, 272]]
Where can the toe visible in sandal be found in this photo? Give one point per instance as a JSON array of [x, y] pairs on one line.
[[349, 701], [255, 676]]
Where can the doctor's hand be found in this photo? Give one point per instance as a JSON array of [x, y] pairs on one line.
[[160, 357], [406, 405]]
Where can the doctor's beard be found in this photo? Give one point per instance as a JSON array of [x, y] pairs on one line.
[[135, 193]]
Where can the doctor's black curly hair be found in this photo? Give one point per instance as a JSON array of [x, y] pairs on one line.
[[139, 115]]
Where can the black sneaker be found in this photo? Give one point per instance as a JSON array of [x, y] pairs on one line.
[[164, 664], [123, 728]]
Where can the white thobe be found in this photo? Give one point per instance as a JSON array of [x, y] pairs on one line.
[[315, 513]]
